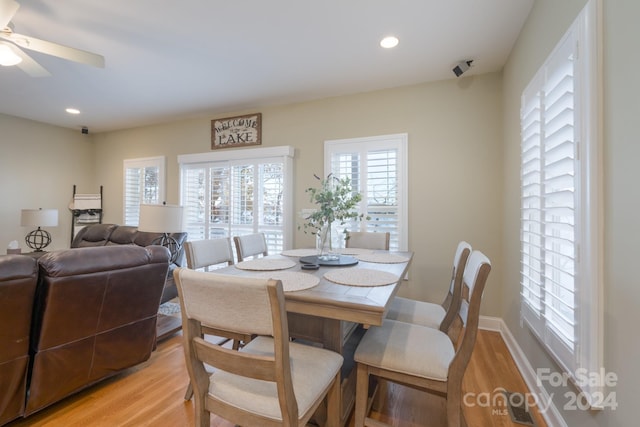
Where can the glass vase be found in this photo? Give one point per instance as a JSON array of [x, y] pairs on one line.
[[324, 244]]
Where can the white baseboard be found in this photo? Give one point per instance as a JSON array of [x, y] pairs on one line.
[[552, 416]]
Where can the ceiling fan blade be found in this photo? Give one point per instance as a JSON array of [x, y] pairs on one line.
[[8, 8], [28, 64], [54, 49]]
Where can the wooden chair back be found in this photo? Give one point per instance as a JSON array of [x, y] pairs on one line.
[[250, 245], [473, 282], [238, 305], [452, 301], [368, 240]]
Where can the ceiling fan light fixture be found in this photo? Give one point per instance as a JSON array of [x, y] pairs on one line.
[[389, 42], [8, 57]]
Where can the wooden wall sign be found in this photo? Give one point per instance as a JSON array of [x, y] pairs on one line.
[[236, 131]]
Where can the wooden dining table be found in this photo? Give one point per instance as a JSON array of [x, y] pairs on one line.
[[335, 315]]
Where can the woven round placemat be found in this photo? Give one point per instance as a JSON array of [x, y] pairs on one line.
[[382, 258], [292, 280], [300, 252], [266, 264], [360, 277]]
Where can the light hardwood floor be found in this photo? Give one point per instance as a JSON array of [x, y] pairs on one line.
[[151, 394]]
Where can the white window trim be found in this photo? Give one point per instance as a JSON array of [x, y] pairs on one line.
[[286, 153], [247, 153], [591, 355], [589, 352], [382, 141], [139, 163]]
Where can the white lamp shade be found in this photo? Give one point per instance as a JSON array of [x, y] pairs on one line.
[[161, 218], [39, 217]]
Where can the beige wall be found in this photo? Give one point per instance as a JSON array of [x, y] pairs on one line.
[[39, 164], [455, 163], [547, 22]]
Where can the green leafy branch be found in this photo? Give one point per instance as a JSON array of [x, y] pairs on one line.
[[335, 201]]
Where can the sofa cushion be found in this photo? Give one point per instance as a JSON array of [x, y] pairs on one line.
[[93, 235], [124, 235]]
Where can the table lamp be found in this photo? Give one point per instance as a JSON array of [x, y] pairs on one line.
[[38, 239], [163, 219]]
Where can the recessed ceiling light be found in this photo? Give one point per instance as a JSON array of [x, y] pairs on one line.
[[389, 42], [72, 111]]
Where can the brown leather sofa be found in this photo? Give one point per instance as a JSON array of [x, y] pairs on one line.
[[18, 277], [94, 314], [113, 234]]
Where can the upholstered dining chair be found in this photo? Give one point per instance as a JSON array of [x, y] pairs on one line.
[[205, 254], [424, 358], [250, 245], [208, 254], [367, 240], [271, 381], [439, 316]]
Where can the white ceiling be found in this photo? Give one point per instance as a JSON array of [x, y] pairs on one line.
[[179, 59]]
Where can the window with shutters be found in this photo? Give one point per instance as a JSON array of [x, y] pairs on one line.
[[227, 194], [560, 232], [143, 183], [377, 168]]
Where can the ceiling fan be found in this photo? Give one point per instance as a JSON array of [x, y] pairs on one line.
[[11, 44]]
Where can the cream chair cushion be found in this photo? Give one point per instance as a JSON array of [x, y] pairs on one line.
[[250, 245], [407, 348], [205, 253], [416, 312], [312, 370], [368, 240]]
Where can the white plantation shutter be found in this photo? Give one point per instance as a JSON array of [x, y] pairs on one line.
[[559, 173], [381, 195], [377, 169], [549, 164], [238, 193], [195, 185], [242, 194], [270, 203], [531, 207], [143, 183], [132, 195]]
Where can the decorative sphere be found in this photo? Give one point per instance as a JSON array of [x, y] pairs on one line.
[[169, 243], [38, 239]]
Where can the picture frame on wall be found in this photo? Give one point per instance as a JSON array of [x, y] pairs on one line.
[[237, 131]]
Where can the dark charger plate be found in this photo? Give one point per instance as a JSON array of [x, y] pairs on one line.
[[342, 261]]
